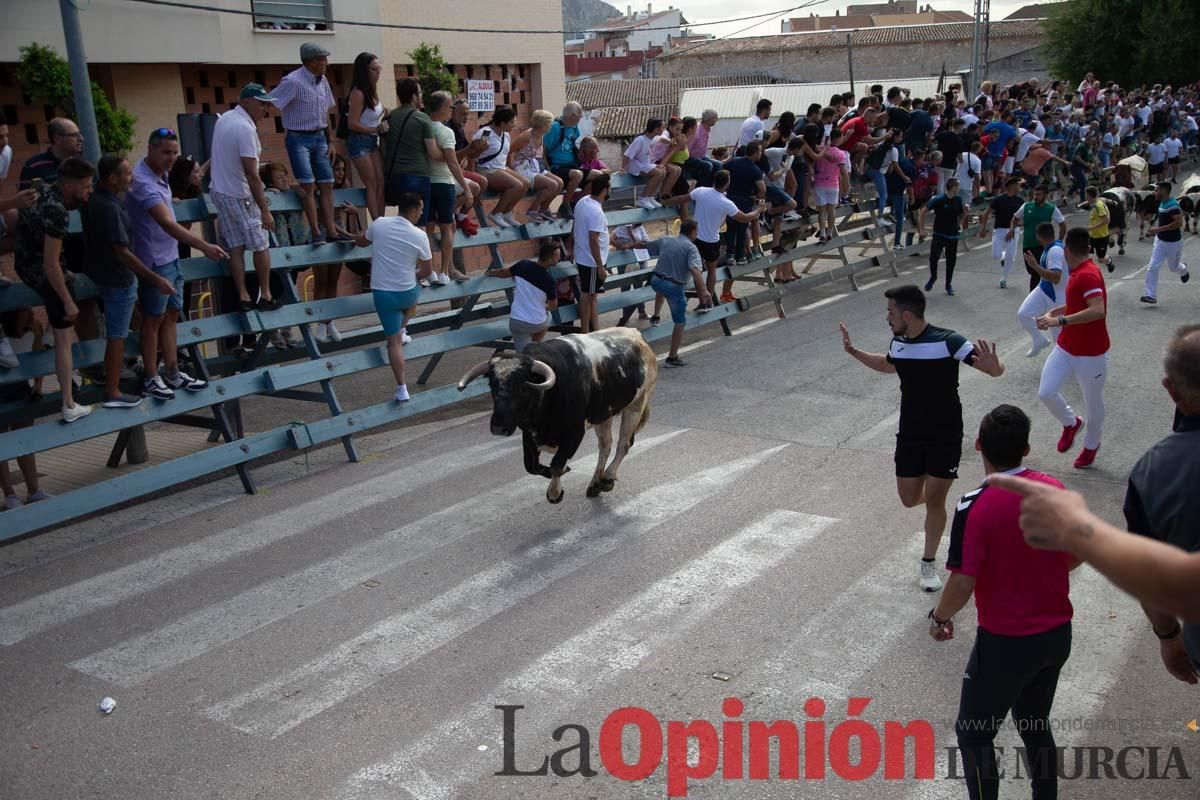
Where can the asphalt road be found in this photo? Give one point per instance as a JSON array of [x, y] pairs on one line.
[[348, 632]]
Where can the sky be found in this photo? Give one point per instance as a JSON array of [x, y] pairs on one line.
[[707, 10]]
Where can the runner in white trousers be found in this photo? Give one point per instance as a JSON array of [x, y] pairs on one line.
[[1082, 349], [1049, 292], [1168, 243], [1004, 241]]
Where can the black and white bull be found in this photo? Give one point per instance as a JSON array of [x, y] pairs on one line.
[[555, 389], [1189, 203], [1146, 207], [1121, 202]]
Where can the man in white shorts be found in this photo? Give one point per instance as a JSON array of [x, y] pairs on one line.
[[1003, 207], [243, 213], [1054, 272], [1168, 243]]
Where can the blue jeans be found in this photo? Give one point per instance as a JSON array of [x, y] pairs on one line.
[[737, 233], [674, 295], [876, 177], [1105, 156], [309, 154], [400, 183], [154, 302], [118, 309], [1080, 177], [898, 202], [361, 144], [701, 170]]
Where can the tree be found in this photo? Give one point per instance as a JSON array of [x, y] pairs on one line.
[[1132, 42], [431, 70], [46, 76]]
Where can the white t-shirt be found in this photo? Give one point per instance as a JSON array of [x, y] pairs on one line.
[[398, 246], [5, 161], [712, 208], [750, 129], [965, 182], [1156, 152], [888, 157], [439, 171], [1028, 140], [234, 137], [1190, 123], [1039, 129], [1174, 146], [589, 218], [775, 157], [495, 155], [1124, 126], [970, 118], [638, 154], [1144, 112]]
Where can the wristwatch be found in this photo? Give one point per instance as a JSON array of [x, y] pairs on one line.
[[946, 621], [1062, 321]]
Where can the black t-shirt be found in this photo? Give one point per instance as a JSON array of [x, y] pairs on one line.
[[947, 211], [1166, 217], [460, 137], [951, 145], [927, 366], [1003, 207], [105, 223], [899, 118], [743, 175]]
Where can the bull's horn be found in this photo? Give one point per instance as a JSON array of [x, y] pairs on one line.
[[543, 369], [479, 369]]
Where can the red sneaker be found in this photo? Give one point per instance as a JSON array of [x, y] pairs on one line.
[[1086, 457], [1068, 436], [468, 226], [728, 297]]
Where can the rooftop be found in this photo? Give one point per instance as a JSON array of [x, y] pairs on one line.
[[648, 91], [1032, 11], [631, 22]]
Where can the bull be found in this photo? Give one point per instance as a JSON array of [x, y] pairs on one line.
[[1189, 202], [1146, 206], [1120, 202], [555, 390]]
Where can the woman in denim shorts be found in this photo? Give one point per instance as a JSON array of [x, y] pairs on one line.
[[366, 120]]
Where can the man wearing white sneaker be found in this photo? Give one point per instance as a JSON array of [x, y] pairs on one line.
[[1168, 243], [1053, 271], [929, 442], [401, 256], [1082, 349], [1004, 246]]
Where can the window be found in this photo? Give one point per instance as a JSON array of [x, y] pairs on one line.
[[292, 15]]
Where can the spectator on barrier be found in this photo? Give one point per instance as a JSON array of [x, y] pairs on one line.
[[827, 180], [712, 210], [1021, 595], [466, 150], [753, 125], [534, 294], [527, 162], [633, 237], [900, 179], [291, 230], [38, 258], [115, 269], [365, 121], [699, 166], [669, 151], [400, 257], [747, 186], [781, 188], [304, 99], [858, 139], [493, 162], [679, 262], [590, 235], [882, 162], [447, 183], [409, 147], [13, 324], [243, 213], [156, 237], [589, 157], [562, 147], [638, 162], [9, 208], [65, 141]]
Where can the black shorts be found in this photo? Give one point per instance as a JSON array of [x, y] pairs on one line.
[[589, 281], [1157, 169], [55, 310], [935, 459], [709, 251], [1174, 160], [1100, 246], [564, 172]]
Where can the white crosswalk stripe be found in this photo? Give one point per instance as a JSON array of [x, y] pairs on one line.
[[110, 588], [589, 660], [398, 641], [136, 659]]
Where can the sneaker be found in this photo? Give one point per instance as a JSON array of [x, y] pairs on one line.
[[1068, 435], [38, 496], [950, 291], [404, 337], [75, 412], [1108, 263], [1086, 457], [889, 216], [246, 305], [898, 246], [498, 220], [791, 216], [728, 297], [1003, 284], [675, 361], [741, 261], [423, 283], [930, 582], [322, 333], [646, 203], [277, 340], [511, 220], [11, 501], [929, 284], [468, 226], [1184, 278], [269, 305], [1037, 348], [1148, 299], [401, 394], [334, 334], [8, 356], [655, 203], [181, 380], [157, 388], [437, 279], [342, 238], [122, 401]]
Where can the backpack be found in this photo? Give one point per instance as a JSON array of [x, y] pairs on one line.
[[343, 122], [879, 154]]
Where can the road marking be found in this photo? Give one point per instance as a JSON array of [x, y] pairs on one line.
[[873, 284], [110, 588], [134, 660], [434, 766], [756, 325], [1136, 272], [398, 641], [823, 302]]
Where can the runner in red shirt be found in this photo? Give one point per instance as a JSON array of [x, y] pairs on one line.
[[1082, 349], [1024, 634]]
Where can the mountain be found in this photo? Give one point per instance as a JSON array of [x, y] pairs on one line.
[[579, 15]]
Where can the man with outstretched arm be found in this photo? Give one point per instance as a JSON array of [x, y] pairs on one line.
[[929, 443]]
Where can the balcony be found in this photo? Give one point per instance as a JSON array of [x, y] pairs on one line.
[[292, 15]]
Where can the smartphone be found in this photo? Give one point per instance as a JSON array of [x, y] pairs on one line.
[[36, 183], [486, 134]]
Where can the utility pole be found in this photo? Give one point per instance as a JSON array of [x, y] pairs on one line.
[[81, 84], [850, 56], [979, 47]]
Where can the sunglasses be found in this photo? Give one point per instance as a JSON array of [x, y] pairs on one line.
[[163, 133]]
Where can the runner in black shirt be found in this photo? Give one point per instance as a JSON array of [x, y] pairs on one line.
[[929, 443], [949, 218]]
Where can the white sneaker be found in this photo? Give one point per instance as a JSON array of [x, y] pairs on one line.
[[404, 337], [646, 203], [75, 412], [401, 393], [436, 279], [655, 203], [1037, 348], [499, 221], [8, 356], [511, 220], [334, 334], [322, 334], [791, 216], [930, 582]]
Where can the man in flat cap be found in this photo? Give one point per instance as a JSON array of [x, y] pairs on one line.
[[305, 99]]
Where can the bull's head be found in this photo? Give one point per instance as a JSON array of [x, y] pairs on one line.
[[517, 383]]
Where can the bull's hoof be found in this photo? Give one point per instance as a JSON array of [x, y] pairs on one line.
[[594, 489], [607, 484], [556, 500]]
